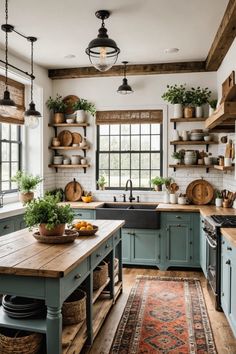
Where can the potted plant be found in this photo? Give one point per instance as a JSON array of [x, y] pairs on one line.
[[157, 183], [81, 107], [58, 107], [101, 182], [200, 97], [188, 102], [26, 184], [212, 106], [174, 95], [218, 198], [50, 217], [57, 192], [177, 157]]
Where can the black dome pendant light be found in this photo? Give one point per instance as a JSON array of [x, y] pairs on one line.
[[102, 51], [6, 101], [125, 88], [31, 115]]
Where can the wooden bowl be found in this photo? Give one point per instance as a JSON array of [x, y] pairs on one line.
[[87, 199]]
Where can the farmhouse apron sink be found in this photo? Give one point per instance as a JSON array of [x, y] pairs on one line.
[[138, 216]]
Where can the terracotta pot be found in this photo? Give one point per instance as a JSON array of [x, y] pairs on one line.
[[58, 118], [189, 112], [158, 187], [57, 231], [26, 197]]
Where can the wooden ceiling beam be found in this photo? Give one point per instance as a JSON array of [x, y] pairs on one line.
[[138, 69], [223, 39]]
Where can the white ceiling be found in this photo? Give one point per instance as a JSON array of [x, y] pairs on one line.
[[141, 29]]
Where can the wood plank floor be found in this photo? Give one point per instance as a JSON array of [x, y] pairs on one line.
[[224, 339]]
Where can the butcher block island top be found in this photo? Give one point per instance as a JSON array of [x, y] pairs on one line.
[[21, 254]]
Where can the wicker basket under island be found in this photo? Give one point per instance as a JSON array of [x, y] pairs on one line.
[[20, 342]]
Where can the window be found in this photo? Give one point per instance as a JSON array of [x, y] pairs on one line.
[[129, 151], [10, 155]]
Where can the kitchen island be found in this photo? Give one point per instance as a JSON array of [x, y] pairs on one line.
[[52, 272]]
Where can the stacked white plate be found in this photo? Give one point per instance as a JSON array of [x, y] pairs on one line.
[[57, 160]]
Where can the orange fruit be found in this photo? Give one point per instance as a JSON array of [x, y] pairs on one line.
[[89, 227], [77, 225], [83, 228], [83, 223]]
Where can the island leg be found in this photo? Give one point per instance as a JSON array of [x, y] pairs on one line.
[[54, 328]]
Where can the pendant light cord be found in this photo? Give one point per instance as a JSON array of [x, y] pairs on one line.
[[32, 70], [125, 71], [6, 45]]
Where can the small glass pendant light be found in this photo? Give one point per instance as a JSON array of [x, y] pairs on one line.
[[31, 115], [102, 51], [125, 88]]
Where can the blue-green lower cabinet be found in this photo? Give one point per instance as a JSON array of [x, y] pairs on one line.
[[84, 214], [203, 248], [141, 246], [11, 224], [228, 282]]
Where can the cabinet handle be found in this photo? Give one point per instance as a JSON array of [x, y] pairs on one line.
[[229, 248], [191, 242], [222, 294], [107, 245], [6, 227], [167, 229], [98, 255], [131, 233], [178, 216], [116, 237], [190, 229], [167, 257], [79, 215], [178, 225], [190, 257], [159, 257], [228, 262], [77, 276], [223, 242]]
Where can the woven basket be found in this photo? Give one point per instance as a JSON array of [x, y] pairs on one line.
[[116, 266], [19, 342], [100, 275], [74, 308]]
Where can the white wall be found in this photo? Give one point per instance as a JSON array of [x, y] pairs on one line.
[[227, 66], [147, 94]]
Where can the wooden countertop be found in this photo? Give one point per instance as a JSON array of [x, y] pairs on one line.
[[230, 235], [22, 254], [178, 207], [82, 205]]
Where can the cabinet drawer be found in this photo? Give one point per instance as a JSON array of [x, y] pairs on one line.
[[116, 238], [84, 214], [74, 278], [185, 217], [101, 252], [6, 227]]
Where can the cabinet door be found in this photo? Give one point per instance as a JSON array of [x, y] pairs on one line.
[[19, 222], [225, 278], [145, 246], [7, 226], [232, 309], [178, 244], [84, 214], [126, 245], [203, 249]]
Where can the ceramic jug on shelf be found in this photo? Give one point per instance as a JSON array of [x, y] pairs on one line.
[[175, 135], [84, 143], [185, 135]]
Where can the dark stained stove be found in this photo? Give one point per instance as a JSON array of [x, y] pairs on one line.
[[225, 220]]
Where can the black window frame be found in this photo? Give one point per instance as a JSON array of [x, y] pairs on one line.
[[10, 142], [129, 151]]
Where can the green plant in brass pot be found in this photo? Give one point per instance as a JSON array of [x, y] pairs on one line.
[[50, 217], [58, 107], [157, 182]]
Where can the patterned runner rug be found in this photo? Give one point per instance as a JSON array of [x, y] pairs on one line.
[[164, 315]]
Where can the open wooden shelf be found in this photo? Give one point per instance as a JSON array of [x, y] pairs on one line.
[[67, 148], [176, 120], [69, 125], [224, 168], [193, 142], [74, 337], [68, 166], [191, 166], [98, 292], [224, 115]]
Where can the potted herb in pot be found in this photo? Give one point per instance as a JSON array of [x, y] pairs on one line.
[[101, 182], [50, 217], [188, 102], [58, 107], [174, 95], [212, 106], [26, 184], [81, 107], [218, 198], [200, 97], [157, 182], [177, 157]]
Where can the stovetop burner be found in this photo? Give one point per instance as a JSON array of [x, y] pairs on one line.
[[225, 220]]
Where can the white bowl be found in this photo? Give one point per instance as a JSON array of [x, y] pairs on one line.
[[207, 138], [70, 120]]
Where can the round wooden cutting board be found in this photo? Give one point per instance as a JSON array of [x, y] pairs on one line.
[[70, 100], [65, 138], [73, 191], [200, 192]]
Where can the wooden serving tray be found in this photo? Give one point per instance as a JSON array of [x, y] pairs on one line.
[[200, 192], [69, 236]]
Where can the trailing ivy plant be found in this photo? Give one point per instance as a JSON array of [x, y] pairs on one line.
[[47, 211], [26, 182], [174, 94]]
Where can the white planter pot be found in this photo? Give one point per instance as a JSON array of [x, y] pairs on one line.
[[176, 161], [80, 116], [207, 161], [173, 198], [199, 112], [166, 198], [218, 202], [175, 135], [228, 161], [211, 111], [178, 110], [182, 200]]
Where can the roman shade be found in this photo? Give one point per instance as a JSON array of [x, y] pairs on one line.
[[129, 116], [17, 92]]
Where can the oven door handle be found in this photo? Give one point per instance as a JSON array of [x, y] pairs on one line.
[[211, 244]]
